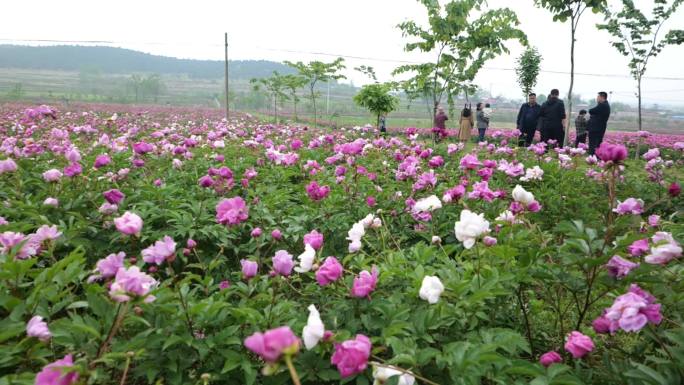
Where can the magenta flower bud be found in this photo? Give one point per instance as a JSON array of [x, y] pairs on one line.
[[113, 196], [638, 248], [534, 206], [619, 267], [53, 373], [674, 190], [611, 152], [206, 181], [256, 232], [489, 241], [549, 358], [273, 343], [158, 182], [73, 169], [102, 160], [249, 268], [330, 271], [314, 239], [138, 163], [223, 285], [365, 283], [578, 344], [191, 244], [186, 251], [370, 201], [36, 327], [351, 356], [276, 234], [244, 182], [219, 158], [283, 263], [602, 325]]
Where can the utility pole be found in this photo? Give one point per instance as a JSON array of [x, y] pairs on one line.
[[226, 75]]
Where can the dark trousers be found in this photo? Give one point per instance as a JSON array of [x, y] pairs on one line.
[[526, 136], [581, 138], [595, 140], [481, 134], [557, 134]]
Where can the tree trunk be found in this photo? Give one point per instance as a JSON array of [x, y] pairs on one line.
[[639, 100], [275, 109], [377, 122], [313, 100], [572, 79], [295, 109]]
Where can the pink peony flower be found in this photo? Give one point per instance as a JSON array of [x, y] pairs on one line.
[[470, 162], [160, 251], [276, 234], [351, 356], [664, 250], [316, 192], [256, 232], [191, 243], [206, 181], [52, 175], [7, 165], [654, 220], [630, 206], [638, 248], [231, 211], [113, 196], [50, 201], [102, 160], [131, 282], [223, 285], [283, 263], [73, 169], [578, 344], [608, 152], [108, 266], [489, 241], [273, 343], [549, 358], [619, 267], [129, 224], [365, 283], [108, 208], [330, 271], [629, 312], [314, 239], [9, 240], [36, 327], [54, 374], [249, 268]]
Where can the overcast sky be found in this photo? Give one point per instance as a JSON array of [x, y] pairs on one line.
[[268, 29]]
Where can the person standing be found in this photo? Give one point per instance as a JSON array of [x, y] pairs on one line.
[[466, 125], [527, 120], [598, 121], [552, 119], [581, 128], [482, 122], [440, 123], [383, 124]]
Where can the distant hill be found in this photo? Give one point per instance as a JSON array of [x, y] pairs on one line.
[[125, 61]]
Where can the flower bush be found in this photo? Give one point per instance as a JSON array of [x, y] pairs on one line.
[[180, 248]]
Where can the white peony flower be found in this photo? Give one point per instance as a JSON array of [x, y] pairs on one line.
[[368, 220], [314, 329], [430, 203], [523, 196], [431, 289], [306, 259], [436, 240], [377, 223], [383, 374], [470, 227], [357, 232], [534, 173]]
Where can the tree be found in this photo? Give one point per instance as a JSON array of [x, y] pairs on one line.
[[562, 11], [377, 99], [462, 44], [317, 71], [527, 69], [636, 36], [292, 83], [153, 85], [275, 86]]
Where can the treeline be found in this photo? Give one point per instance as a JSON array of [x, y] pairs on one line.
[[124, 61]]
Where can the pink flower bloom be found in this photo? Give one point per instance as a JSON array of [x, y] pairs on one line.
[[489, 241], [102, 160], [160, 251], [3, 221], [611, 152], [142, 148], [534, 207], [578, 344], [223, 285], [108, 208], [256, 232], [276, 234], [481, 191], [7, 165], [316, 192], [630, 312], [273, 343], [36, 327], [108, 266], [314, 239], [131, 282], [113, 196], [674, 189], [653, 220], [470, 162], [619, 267], [638, 248], [231, 211], [54, 374], [425, 180], [351, 356], [283, 263], [129, 224], [50, 201], [549, 358], [52, 175], [249, 268], [73, 169], [630, 206], [365, 283], [370, 201], [330, 271], [454, 194], [10, 240], [664, 250], [651, 154], [436, 161], [206, 181]]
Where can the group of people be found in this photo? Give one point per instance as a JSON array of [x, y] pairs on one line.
[[548, 118]]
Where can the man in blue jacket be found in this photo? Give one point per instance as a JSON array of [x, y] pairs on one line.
[[527, 120], [598, 121]]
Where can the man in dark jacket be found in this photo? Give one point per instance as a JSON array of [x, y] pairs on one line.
[[527, 120], [552, 119], [598, 121]]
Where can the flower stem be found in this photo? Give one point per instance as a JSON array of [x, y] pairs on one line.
[[293, 371]]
